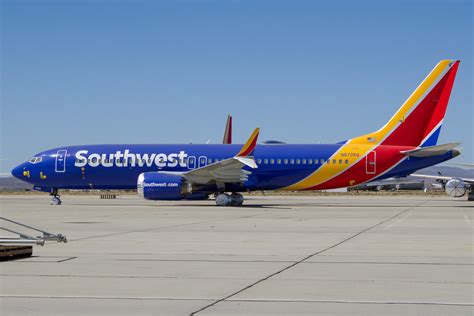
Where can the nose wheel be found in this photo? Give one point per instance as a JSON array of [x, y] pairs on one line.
[[234, 199], [55, 198]]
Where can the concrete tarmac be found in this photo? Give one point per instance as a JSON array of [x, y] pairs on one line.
[[323, 255]]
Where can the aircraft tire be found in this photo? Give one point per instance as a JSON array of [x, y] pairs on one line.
[[237, 199], [223, 199], [56, 201]]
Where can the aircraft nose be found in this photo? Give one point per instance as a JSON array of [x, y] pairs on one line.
[[17, 172]]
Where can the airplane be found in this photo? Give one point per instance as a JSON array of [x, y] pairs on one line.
[[465, 165], [391, 184], [453, 186], [406, 143]]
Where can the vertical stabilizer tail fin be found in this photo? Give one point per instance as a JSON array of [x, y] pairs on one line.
[[228, 131], [418, 121]]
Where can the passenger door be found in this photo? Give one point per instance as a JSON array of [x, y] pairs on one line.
[[371, 163], [60, 165]]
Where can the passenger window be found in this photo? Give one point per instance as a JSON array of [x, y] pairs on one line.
[[272, 161], [334, 161], [322, 161], [340, 161], [328, 161], [279, 161], [265, 161], [259, 161], [292, 161], [310, 161], [303, 161], [347, 161], [298, 161], [209, 160]]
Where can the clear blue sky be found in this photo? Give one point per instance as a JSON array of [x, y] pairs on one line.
[[77, 72]]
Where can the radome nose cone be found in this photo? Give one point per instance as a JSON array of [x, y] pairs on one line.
[[17, 172]]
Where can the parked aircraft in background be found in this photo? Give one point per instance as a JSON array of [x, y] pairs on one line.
[[391, 184], [172, 172], [227, 139], [454, 186], [465, 165]]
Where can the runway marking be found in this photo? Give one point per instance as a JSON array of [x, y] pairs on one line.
[[220, 278], [309, 257], [147, 298], [291, 261], [351, 302]]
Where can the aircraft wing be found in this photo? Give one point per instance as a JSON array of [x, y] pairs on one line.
[[392, 181], [445, 178], [228, 170], [225, 171], [467, 165]]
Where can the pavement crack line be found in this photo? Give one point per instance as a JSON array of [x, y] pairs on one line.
[[308, 257]]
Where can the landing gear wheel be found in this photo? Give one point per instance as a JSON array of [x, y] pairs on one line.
[[55, 200], [470, 194], [223, 199], [237, 199]]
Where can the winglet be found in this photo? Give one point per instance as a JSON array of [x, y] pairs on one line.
[[250, 145]]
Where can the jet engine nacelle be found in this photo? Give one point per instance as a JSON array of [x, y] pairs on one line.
[[162, 186], [455, 188]]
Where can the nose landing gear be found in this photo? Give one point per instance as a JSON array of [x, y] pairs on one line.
[[56, 198], [234, 199]]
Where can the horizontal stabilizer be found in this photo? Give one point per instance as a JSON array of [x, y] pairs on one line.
[[430, 151]]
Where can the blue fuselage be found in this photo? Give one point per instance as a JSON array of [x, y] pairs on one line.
[[118, 166]]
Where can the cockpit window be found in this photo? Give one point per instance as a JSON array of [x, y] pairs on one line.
[[36, 159]]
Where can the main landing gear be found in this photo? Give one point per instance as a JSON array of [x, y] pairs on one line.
[[56, 198], [234, 199]]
